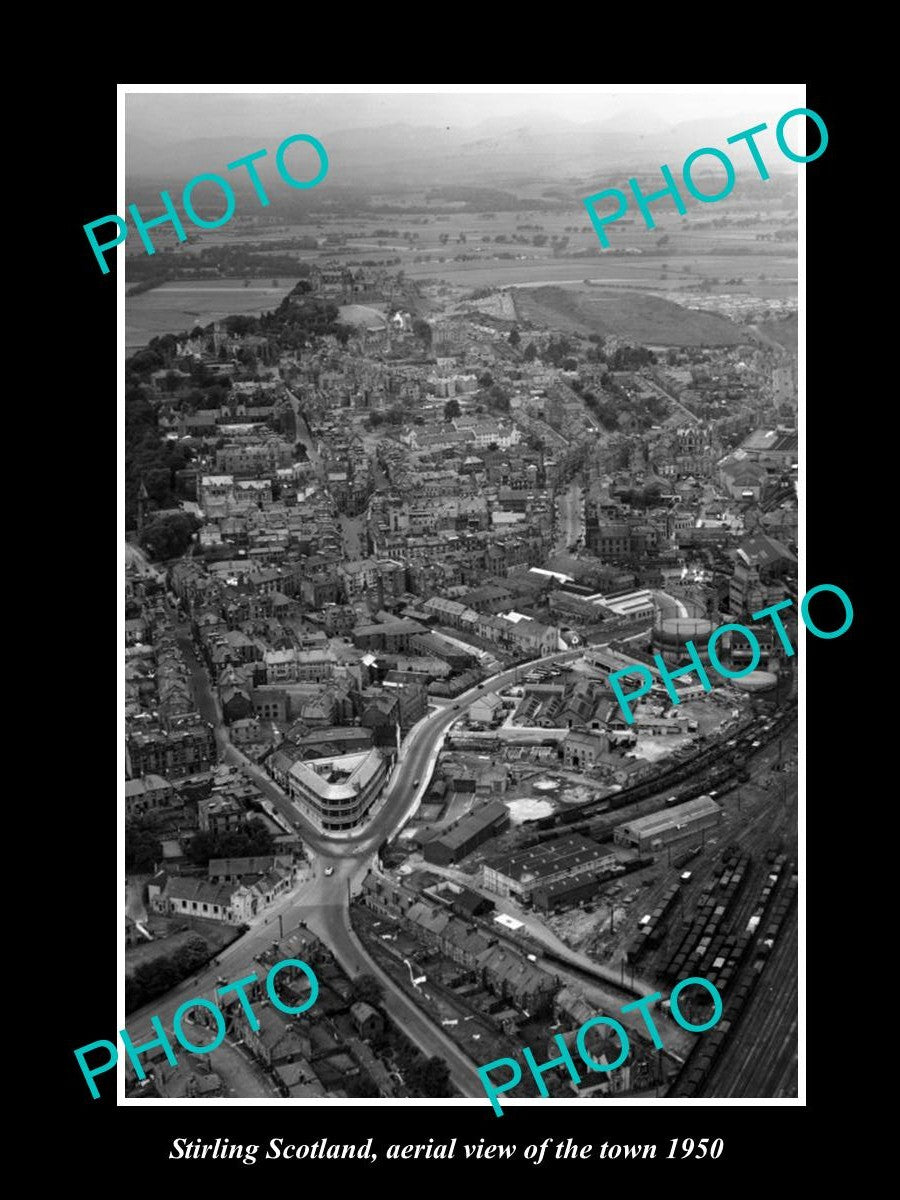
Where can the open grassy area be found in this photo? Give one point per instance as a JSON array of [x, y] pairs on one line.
[[642, 318], [170, 934], [179, 306]]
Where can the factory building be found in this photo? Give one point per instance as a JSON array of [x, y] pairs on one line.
[[467, 834], [566, 893], [519, 873], [651, 833]]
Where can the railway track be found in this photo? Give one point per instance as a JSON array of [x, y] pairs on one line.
[[720, 764]]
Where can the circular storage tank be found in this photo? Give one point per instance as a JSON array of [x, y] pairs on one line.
[[671, 633], [756, 681]]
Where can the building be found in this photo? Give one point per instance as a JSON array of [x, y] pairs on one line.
[[519, 873], [146, 794], [392, 636], [336, 793], [762, 565], [584, 748], [368, 1021], [238, 870], [524, 984], [486, 709], [467, 834], [220, 814], [566, 893], [200, 898], [170, 752], [505, 971], [638, 605], [653, 832]]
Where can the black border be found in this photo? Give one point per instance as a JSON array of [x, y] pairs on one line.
[[87, 840]]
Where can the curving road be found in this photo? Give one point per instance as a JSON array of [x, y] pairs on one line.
[[322, 902]]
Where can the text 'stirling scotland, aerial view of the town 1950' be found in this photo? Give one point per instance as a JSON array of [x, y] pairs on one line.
[[414, 465]]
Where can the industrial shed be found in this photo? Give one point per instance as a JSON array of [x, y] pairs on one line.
[[653, 832], [468, 834]]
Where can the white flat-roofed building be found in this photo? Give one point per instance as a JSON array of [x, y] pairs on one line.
[[337, 793]]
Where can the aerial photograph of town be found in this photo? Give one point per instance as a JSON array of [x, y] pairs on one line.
[[435, 507]]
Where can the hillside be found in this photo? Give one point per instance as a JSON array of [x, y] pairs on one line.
[[646, 319], [784, 332]]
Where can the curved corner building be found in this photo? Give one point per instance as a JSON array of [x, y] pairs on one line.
[[337, 793]]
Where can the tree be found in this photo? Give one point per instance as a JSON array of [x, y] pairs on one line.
[[431, 1078], [143, 849], [451, 410], [530, 353], [368, 989], [514, 337], [254, 839], [497, 398], [422, 330], [169, 537]]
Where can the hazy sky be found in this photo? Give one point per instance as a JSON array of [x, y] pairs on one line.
[[181, 116]]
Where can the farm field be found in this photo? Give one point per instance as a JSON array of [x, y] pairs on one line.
[[721, 254], [641, 317], [179, 306]]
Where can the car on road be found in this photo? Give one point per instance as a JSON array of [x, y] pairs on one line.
[[416, 782], [755, 745], [329, 870], [455, 707]]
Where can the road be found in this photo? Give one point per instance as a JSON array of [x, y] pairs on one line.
[[569, 517], [322, 902], [135, 557]]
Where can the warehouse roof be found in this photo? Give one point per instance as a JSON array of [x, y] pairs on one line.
[[473, 824], [656, 822], [540, 861]]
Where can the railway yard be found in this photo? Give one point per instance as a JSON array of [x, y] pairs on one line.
[[720, 904]]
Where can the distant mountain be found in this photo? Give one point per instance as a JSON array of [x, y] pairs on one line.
[[541, 149], [634, 121]]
